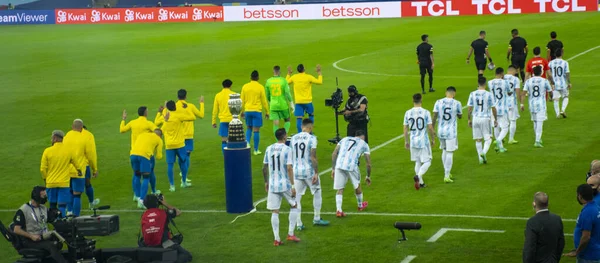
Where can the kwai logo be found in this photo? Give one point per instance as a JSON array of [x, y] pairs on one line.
[[163, 15], [200, 14], [95, 16]]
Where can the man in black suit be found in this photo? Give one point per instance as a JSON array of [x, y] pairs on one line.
[[544, 236]]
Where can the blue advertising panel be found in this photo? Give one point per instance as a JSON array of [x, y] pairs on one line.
[[18, 17]]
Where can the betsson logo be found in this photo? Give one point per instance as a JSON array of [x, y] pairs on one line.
[[351, 12], [270, 13]]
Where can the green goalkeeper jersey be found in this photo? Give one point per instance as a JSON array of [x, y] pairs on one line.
[[278, 93]]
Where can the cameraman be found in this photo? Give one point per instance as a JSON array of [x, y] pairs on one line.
[[355, 112], [31, 223], [155, 227]]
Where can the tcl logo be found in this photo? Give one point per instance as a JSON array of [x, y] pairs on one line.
[[494, 7], [562, 6]]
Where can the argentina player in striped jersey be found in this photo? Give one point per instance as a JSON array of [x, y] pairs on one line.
[[422, 137], [345, 159], [512, 102], [537, 88], [306, 172], [279, 184], [450, 110], [561, 81], [500, 88], [481, 110]]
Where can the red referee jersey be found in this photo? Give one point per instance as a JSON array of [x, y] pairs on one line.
[[534, 62]]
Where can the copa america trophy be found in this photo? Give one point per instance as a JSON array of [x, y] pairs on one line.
[[236, 127]]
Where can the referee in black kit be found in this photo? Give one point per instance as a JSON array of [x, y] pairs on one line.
[[517, 47], [425, 61], [480, 48], [553, 46]]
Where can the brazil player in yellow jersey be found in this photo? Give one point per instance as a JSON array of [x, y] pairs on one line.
[[146, 146], [254, 100], [173, 131], [303, 93], [221, 110], [57, 162], [188, 126], [139, 126], [280, 99]]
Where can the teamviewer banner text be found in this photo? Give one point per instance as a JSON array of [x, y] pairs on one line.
[[16, 17]]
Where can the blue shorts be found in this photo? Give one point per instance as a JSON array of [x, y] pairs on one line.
[[189, 145], [181, 153], [78, 184], [60, 195], [300, 109], [140, 164], [254, 119], [88, 172], [224, 129]]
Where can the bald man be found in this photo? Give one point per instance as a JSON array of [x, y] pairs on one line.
[[594, 182], [544, 236], [594, 168]]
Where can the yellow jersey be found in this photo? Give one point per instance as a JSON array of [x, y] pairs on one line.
[[254, 97], [138, 126], [147, 145], [221, 106], [303, 86], [188, 126], [56, 165], [173, 129], [92, 157], [80, 147]]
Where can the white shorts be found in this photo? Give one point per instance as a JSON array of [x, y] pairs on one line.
[[341, 178], [274, 199], [420, 154], [513, 114], [449, 145], [503, 121], [539, 116], [557, 94], [302, 184], [482, 128]]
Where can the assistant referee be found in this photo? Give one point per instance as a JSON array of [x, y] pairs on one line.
[[480, 48], [425, 61], [517, 47]]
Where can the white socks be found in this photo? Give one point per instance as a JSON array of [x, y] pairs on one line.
[[486, 146], [565, 103], [513, 129], [539, 126], [422, 170], [479, 147], [317, 203], [275, 225], [299, 208], [556, 107], [338, 202], [293, 218], [447, 160], [359, 199], [503, 133]]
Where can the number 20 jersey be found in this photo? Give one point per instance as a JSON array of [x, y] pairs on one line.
[[302, 145], [447, 110], [351, 148], [417, 120]]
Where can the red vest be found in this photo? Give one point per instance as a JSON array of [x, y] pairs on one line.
[[153, 226]]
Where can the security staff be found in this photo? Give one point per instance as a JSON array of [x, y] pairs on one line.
[[355, 112]]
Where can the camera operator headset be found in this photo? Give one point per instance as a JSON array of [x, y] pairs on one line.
[[31, 224], [355, 112], [155, 227]]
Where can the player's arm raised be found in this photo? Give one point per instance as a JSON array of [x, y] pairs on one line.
[[318, 80], [288, 77], [334, 156], [195, 111], [124, 128]]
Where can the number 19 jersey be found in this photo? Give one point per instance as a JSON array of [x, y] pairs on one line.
[[559, 68], [351, 148], [417, 120], [278, 156], [302, 145], [448, 110], [482, 102]]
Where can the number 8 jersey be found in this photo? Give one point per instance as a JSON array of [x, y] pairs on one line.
[[537, 87], [417, 119], [302, 145], [447, 110], [278, 156]]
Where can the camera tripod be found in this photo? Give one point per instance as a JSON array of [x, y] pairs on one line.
[[337, 138]]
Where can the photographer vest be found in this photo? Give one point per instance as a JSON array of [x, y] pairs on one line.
[[354, 104], [36, 219]]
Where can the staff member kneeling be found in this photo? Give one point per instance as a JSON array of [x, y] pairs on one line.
[[355, 113], [155, 227]]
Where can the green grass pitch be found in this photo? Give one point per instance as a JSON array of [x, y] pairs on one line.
[[51, 75]]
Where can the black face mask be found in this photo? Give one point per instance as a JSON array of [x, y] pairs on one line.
[[43, 200]]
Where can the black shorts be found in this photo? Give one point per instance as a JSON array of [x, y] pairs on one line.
[[480, 63], [425, 68], [518, 61]]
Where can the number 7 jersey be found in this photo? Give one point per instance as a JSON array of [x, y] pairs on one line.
[[278, 156], [351, 148], [302, 145]]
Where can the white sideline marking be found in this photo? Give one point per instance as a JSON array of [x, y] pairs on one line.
[[443, 231], [408, 259], [335, 65], [251, 211]]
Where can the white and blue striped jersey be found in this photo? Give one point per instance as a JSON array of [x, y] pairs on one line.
[[302, 145], [448, 110], [417, 120], [482, 102], [278, 156], [537, 87], [515, 85], [559, 68], [500, 89], [351, 148]]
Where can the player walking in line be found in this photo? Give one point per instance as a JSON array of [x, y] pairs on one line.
[[303, 93], [500, 88], [138, 127], [306, 171], [512, 102], [147, 146], [280, 99], [425, 61], [561, 81], [254, 100], [536, 61], [422, 137], [553, 46], [481, 109], [537, 88], [345, 159], [450, 111], [173, 130], [89, 189], [480, 48], [188, 126], [279, 183], [517, 47], [221, 109]]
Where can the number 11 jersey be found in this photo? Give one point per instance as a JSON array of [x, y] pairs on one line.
[[448, 110], [417, 120], [278, 156], [302, 145]]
